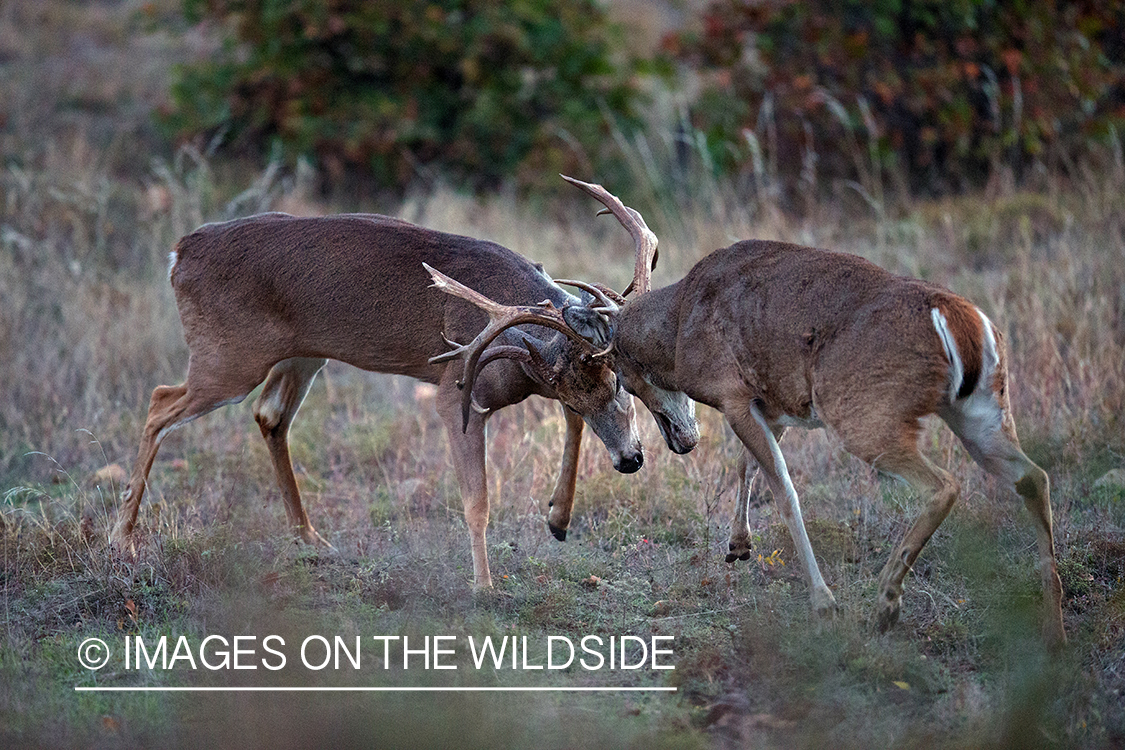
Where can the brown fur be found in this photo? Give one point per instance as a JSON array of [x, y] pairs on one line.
[[271, 297], [968, 333], [774, 334]]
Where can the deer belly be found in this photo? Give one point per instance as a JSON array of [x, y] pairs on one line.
[[809, 421]]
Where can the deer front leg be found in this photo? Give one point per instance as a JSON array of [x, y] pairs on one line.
[[468, 449], [739, 544], [752, 429], [562, 499]]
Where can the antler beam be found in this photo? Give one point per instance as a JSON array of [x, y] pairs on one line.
[[643, 237], [501, 317]]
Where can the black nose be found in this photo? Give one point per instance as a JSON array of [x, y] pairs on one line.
[[629, 464]]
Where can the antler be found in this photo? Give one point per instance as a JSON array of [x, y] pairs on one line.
[[501, 317], [643, 237], [610, 301]]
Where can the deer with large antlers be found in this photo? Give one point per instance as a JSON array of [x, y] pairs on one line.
[[272, 297], [775, 335]]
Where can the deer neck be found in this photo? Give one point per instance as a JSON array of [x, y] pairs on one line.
[[647, 332]]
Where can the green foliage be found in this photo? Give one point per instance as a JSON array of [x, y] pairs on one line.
[[941, 92], [479, 89]]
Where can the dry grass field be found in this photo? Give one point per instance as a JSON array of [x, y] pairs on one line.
[[90, 203]]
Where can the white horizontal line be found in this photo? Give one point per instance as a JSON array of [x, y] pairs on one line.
[[309, 689]]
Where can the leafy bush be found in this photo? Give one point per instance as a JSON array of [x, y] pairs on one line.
[[943, 91], [478, 89]]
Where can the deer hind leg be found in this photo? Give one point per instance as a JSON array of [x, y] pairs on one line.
[[752, 429], [282, 395], [889, 442], [739, 545], [562, 499], [468, 449], [171, 407], [904, 461], [989, 435]]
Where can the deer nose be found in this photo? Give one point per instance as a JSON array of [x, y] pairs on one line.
[[630, 464]]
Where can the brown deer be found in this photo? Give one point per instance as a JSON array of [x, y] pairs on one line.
[[272, 297], [776, 335]]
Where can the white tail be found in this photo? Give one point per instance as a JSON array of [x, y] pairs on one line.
[[272, 297]]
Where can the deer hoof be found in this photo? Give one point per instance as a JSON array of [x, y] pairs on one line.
[[738, 551], [556, 532], [310, 537], [1054, 635], [825, 606], [121, 543], [888, 612]]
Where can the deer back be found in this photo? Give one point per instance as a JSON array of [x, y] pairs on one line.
[[779, 323], [345, 287]]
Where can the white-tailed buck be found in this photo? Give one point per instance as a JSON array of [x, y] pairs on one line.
[[776, 335], [272, 297]]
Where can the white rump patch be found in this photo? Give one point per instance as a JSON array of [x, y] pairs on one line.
[[990, 358], [956, 369], [172, 258], [978, 419]]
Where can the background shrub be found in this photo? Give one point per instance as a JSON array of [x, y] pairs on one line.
[[476, 90], [942, 91]]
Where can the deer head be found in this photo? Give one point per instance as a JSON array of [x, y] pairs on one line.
[[589, 326], [574, 368]]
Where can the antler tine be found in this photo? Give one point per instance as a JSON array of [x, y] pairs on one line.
[[634, 223], [602, 294], [501, 317], [454, 353], [614, 297]]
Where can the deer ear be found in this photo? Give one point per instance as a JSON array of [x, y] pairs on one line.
[[538, 361], [536, 364], [592, 325]]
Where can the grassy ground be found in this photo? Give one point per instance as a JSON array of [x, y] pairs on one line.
[[90, 203]]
